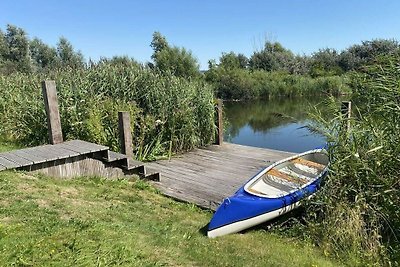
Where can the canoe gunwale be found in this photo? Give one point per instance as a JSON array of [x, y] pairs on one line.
[[249, 183]]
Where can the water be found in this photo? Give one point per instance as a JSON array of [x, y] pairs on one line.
[[276, 124]]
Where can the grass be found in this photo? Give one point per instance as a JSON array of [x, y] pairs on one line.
[[6, 145], [90, 221]]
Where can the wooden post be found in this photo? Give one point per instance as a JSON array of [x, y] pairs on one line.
[[125, 133], [53, 115], [346, 111], [220, 127]]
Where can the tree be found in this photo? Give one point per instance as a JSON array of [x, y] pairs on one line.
[[232, 61], [357, 55], [43, 55], [119, 61], [67, 57], [325, 62], [243, 61], [158, 43], [300, 65], [273, 57], [17, 49], [3, 46], [178, 61]]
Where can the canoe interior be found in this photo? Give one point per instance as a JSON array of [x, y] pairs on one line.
[[288, 176]]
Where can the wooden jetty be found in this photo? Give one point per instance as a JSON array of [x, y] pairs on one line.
[[206, 176]]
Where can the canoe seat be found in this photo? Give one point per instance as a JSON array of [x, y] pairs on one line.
[[255, 191], [287, 177], [308, 163]]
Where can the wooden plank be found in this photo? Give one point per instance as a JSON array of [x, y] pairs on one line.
[[190, 190], [219, 138], [114, 156], [61, 153], [8, 164], [90, 147], [34, 158], [77, 149], [152, 174], [207, 176], [53, 115], [43, 152], [125, 133], [177, 194], [196, 181], [221, 164], [17, 159], [134, 164]]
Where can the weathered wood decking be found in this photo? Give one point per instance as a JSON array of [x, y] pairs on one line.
[[203, 176], [207, 176], [74, 158]]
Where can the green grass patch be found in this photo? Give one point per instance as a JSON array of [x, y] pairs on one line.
[[91, 221], [7, 145]]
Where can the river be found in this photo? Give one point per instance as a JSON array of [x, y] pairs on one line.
[[277, 124]]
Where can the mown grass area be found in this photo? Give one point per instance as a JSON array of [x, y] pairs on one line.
[[90, 221]]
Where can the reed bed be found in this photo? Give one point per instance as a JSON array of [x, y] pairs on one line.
[[245, 84], [168, 114], [358, 215]]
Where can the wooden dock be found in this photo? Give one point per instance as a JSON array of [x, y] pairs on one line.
[[207, 176]]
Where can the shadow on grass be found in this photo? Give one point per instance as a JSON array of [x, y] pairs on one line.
[[203, 230]]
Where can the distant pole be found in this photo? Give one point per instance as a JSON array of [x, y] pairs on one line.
[[220, 127], [53, 115], [125, 133], [346, 112]]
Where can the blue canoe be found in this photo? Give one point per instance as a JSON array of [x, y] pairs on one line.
[[272, 192]]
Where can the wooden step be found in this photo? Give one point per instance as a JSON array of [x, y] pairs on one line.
[[151, 174], [112, 156]]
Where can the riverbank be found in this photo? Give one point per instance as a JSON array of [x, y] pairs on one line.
[[242, 84], [94, 221]]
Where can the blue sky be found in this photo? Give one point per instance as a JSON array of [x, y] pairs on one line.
[[206, 27]]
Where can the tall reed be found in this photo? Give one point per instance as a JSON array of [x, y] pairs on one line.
[[246, 84], [358, 213], [177, 112]]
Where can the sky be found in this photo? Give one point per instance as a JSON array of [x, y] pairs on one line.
[[206, 27]]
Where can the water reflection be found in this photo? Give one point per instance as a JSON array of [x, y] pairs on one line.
[[277, 124]]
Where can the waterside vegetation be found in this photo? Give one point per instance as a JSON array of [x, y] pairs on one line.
[[357, 214], [168, 113], [355, 219]]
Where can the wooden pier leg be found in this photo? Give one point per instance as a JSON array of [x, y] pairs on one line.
[[125, 133], [53, 115], [220, 127], [346, 111]]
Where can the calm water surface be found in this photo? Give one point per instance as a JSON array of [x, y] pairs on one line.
[[276, 124]]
